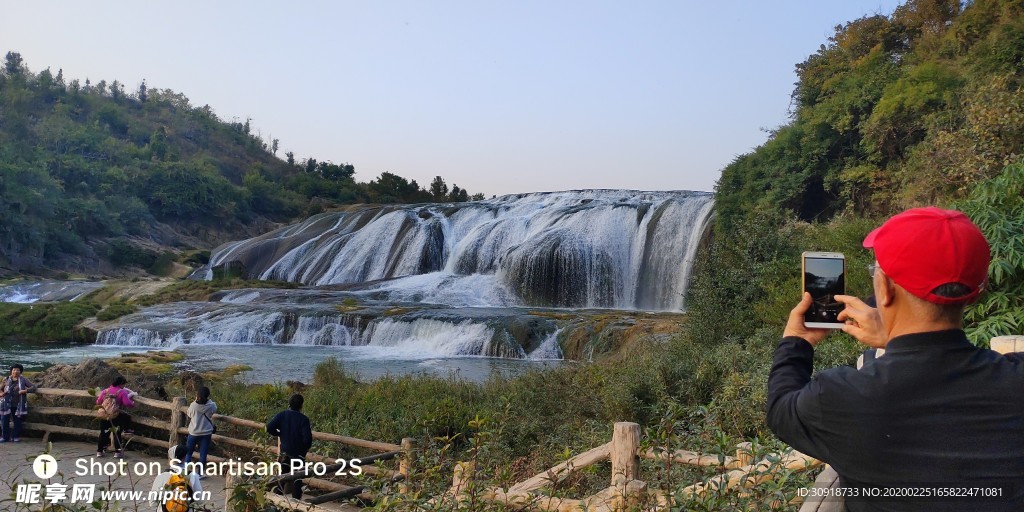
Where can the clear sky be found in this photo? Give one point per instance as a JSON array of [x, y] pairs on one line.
[[497, 97]]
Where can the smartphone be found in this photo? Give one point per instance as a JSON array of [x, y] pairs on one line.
[[824, 278]]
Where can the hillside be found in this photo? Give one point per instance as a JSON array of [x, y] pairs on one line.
[[894, 111], [100, 180], [922, 107]]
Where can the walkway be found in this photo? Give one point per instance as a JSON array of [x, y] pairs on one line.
[[75, 461]]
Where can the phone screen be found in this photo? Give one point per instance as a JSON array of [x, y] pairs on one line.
[[824, 278]]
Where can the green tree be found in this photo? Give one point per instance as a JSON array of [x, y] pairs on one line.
[[13, 65], [439, 189], [158, 144], [392, 188], [335, 172]]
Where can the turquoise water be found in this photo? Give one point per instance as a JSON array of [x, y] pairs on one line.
[[279, 363]]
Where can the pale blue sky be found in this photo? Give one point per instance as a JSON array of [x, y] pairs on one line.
[[497, 97]]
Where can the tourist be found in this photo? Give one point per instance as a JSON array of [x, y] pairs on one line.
[[200, 427], [935, 412], [114, 418], [295, 436], [14, 392], [176, 487]]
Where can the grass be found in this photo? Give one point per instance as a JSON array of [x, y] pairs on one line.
[[154, 362], [520, 426], [45, 322], [116, 310], [191, 290]]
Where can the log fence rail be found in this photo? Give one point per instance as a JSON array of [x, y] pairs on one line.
[[625, 492], [170, 418]]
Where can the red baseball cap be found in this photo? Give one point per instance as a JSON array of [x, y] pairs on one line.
[[924, 248]]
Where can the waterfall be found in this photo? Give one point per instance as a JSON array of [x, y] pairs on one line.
[[484, 278], [29, 292], [420, 333], [592, 248]]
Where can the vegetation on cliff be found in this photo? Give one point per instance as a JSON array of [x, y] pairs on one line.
[[90, 170], [923, 107], [894, 111]]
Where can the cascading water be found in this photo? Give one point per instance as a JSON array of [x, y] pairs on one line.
[[241, 317], [594, 248], [47, 291], [446, 280]]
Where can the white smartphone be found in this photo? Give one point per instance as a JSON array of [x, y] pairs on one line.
[[824, 278]]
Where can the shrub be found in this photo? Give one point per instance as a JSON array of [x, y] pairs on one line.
[[116, 310], [997, 207]]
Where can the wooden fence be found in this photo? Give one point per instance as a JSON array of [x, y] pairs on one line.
[[173, 421], [626, 491]]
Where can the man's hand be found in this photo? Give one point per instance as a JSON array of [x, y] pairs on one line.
[[862, 322], [795, 325]]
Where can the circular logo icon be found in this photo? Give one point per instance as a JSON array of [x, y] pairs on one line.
[[45, 466]]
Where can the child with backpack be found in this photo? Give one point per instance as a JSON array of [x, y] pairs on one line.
[[113, 403], [176, 489]]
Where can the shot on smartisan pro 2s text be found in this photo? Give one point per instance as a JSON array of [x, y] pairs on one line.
[[824, 277]]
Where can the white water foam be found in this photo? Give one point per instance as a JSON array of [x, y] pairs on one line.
[[597, 248]]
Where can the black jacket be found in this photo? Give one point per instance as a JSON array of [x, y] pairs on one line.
[[934, 409], [294, 430]]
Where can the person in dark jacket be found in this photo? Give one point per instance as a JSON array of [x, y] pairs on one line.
[[14, 391], [935, 423], [295, 436]]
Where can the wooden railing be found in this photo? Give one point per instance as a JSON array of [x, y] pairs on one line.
[[626, 489], [173, 421]]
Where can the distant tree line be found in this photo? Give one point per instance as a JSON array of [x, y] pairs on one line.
[[84, 162]]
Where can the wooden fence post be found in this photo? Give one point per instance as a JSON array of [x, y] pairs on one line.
[[744, 454], [625, 461], [229, 489], [405, 463], [177, 419], [1007, 344]]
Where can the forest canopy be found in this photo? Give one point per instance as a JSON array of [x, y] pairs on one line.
[[893, 111]]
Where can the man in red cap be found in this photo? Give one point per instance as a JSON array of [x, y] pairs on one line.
[[934, 424]]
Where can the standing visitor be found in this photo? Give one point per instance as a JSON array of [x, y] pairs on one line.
[[14, 392], [295, 437], [200, 427], [113, 404], [935, 412]]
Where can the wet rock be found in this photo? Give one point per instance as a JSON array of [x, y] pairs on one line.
[[96, 373], [90, 373]]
